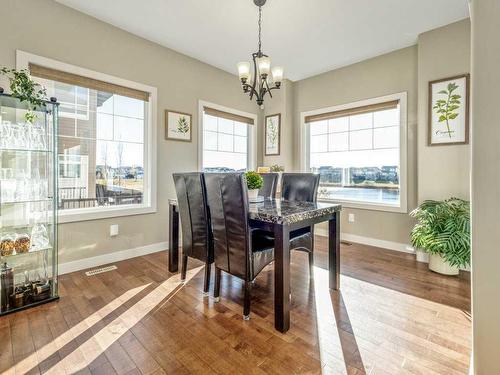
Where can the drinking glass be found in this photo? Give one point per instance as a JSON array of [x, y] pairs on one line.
[[23, 188], [37, 138], [5, 134], [16, 140], [8, 184]]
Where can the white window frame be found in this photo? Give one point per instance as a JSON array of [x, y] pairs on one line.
[[77, 116], [149, 204], [252, 132], [403, 166]]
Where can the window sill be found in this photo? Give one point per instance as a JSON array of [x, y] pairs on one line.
[[367, 205], [85, 214]]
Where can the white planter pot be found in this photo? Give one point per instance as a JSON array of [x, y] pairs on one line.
[[422, 256], [439, 265], [253, 193]]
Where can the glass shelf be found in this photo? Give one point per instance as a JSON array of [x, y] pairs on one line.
[[11, 102], [25, 150], [41, 200], [33, 250]]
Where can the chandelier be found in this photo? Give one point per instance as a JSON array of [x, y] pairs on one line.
[[259, 83]]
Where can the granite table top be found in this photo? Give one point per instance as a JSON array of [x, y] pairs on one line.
[[287, 212]]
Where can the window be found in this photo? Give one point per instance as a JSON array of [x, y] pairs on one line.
[[103, 150], [74, 101], [226, 141], [359, 151]]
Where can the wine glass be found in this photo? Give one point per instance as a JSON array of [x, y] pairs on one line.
[[8, 186], [5, 134]]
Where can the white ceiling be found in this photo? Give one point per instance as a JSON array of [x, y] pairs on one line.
[[306, 37]]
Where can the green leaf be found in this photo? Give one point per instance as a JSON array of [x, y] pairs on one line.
[[254, 180], [443, 227]]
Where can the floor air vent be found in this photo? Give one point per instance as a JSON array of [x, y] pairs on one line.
[[100, 270]]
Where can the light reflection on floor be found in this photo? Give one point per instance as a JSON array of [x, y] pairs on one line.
[[103, 339], [364, 329]]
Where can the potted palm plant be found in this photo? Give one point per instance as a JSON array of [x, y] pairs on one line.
[[254, 183], [443, 231]]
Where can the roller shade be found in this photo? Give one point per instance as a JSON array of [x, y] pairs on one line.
[[353, 111], [81, 81], [228, 116]]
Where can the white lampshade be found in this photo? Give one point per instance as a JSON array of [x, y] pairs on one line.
[[244, 70], [277, 74], [264, 64]]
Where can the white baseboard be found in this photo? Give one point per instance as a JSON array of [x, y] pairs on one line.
[[405, 248], [396, 246], [116, 256]]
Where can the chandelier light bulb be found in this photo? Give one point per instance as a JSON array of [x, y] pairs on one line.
[[277, 74], [244, 70], [264, 64]]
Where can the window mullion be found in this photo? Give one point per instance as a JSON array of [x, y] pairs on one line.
[[373, 131], [218, 134], [349, 133]]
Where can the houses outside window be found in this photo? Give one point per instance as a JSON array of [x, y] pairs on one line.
[[359, 150]]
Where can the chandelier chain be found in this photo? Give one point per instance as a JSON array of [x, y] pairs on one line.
[[260, 29]]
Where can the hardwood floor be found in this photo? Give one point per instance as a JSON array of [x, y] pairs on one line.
[[392, 316]]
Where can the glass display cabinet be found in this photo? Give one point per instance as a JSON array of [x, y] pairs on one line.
[[28, 204]]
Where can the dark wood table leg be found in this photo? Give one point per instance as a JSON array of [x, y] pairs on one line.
[[281, 277], [173, 238], [334, 251]]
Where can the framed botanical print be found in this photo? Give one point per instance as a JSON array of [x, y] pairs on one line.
[[178, 126], [272, 134], [449, 111]]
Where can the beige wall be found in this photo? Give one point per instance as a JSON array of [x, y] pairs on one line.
[[48, 29], [443, 52], [387, 74], [282, 102], [485, 186]]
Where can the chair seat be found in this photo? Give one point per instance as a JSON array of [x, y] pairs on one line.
[[262, 251], [300, 239], [299, 232]]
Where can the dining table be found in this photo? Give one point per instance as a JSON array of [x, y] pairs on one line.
[[281, 217]]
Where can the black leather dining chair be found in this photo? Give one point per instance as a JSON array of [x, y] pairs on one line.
[[268, 189], [301, 187], [197, 239], [237, 250]]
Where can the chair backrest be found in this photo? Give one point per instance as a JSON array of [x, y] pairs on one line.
[[195, 218], [268, 189], [228, 203], [299, 186]]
